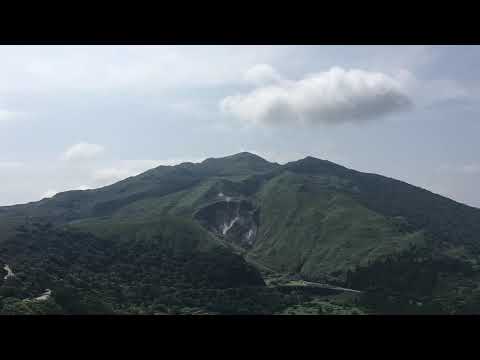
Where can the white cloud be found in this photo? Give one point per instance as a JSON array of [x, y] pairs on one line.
[[262, 74], [331, 97], [105, 69], [49, 193], [82, 151]]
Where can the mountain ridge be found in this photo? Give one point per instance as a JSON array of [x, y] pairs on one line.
[[310, 217], [288, 165]]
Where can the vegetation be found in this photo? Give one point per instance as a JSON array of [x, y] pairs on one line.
[[413, 281], [151, 243], [91, 275], [307, 228]]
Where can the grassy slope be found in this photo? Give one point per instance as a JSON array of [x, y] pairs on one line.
[[306, 227], [169, 232], [308, 224], [316, 217], [178, 203]]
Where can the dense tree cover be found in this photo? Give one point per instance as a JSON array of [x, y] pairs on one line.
[[444, 220], [313, 217], [89, 275], [408, 282]]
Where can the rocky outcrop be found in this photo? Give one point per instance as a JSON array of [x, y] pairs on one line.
[[234, 220]]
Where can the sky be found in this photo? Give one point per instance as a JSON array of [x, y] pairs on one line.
[[80, 117]]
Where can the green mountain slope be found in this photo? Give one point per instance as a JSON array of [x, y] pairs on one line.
[[310, 217], [310, 227], [167, 266]]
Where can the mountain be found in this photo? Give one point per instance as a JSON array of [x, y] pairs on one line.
[[399, 244]]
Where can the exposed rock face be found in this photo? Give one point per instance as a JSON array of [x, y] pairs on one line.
[[9, 272], [232, 219]]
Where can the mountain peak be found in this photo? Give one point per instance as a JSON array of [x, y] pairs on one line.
[[311, 158], [247, 155], [312, 164], [241, 163], [240, 155]]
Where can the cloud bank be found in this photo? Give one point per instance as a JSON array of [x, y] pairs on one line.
[[82, 151], [262, 74], [49, 193], [331, 97]]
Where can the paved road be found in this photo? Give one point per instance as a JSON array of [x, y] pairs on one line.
[[303, 282], [327, 286], [256, 263]]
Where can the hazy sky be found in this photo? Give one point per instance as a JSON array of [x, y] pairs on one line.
[[76, 117]]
